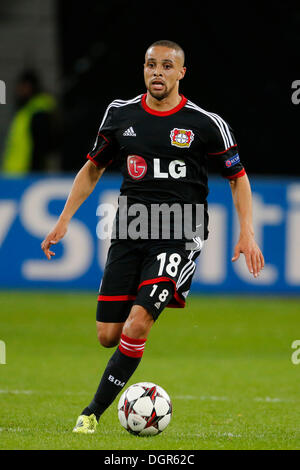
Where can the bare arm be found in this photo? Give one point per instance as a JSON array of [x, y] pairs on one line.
[[242, 198], [84, 183]]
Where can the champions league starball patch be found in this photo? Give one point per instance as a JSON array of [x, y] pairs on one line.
[[181, 137]]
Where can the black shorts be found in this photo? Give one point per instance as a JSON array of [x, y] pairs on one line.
[[152, 273]]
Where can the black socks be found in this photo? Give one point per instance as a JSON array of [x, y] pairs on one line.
[[118, 371]]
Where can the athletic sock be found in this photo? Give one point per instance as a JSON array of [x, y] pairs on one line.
[[118, 371]]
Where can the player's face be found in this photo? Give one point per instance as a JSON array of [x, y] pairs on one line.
[[163, 69]]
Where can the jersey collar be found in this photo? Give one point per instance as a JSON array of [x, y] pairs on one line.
[[163, 113]]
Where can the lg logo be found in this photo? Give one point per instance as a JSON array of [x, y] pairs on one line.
[[177, 169], [137, 168]]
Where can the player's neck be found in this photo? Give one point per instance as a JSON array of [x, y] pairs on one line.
[[166, 104]]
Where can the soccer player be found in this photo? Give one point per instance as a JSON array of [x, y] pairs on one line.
[[162, 142]]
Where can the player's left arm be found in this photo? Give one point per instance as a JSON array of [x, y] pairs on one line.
[[242, 198], [221, 148]]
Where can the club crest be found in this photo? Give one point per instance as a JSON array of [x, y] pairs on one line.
[[181, 137]]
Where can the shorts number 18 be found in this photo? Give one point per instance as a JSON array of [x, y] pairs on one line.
[[172, 266]]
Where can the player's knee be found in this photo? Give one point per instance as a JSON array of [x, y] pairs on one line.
[[108, 335], [139, 323], [107, 341]]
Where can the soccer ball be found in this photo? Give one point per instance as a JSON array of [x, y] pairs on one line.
[[145, 409]]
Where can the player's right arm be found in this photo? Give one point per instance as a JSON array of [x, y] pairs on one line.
[[84, 183], [102, 154]]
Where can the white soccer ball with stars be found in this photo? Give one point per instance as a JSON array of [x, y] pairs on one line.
[[145, 409]]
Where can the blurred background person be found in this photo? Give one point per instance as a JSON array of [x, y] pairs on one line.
[[33, 134]]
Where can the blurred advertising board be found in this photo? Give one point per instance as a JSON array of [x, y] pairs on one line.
[[29, 208]]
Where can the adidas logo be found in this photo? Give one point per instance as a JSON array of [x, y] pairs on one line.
[[130, 132], [157, 305]]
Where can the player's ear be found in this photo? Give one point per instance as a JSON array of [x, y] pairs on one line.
[[182, 73]]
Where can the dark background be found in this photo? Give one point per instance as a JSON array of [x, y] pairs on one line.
[[241, 63]]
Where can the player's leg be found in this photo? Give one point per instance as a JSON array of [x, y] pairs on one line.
[[123, 362], [109, 334], [138, 323], [129, 353], [121, 365], [117, 292], [154, 294]]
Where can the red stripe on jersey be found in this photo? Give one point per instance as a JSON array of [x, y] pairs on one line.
[[92, 160], [220, 153], [107, 298], [163, 113], [101, 150], [98, 164], [237, 175], [106, 140]]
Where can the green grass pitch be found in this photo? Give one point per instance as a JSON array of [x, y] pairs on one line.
[[225, 361]]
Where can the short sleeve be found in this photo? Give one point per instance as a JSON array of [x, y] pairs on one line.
[[221, 146], [105, 147]]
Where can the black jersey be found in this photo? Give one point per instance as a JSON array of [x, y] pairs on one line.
[[163, 156]]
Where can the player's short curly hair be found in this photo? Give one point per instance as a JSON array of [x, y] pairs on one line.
[[170, 45]]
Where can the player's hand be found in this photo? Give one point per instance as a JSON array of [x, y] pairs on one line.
[[54, 237], [253, 256]]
